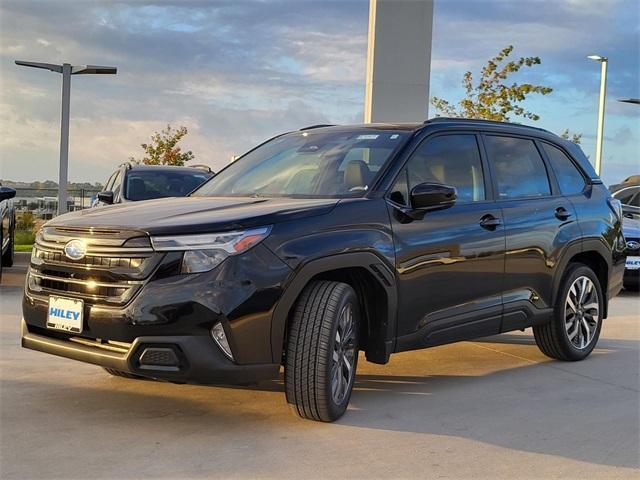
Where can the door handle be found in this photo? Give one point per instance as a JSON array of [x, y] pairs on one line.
[[562, 213], [490, 222]]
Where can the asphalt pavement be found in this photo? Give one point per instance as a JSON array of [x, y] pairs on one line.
[[492, 408]]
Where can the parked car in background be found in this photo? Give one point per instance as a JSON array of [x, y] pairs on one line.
[[326, 241], [631, 229], [627, 182], [7, 232], [628, 193], [132, 182]]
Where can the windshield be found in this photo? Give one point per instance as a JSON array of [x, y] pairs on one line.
[[309, 164], [149, 184]]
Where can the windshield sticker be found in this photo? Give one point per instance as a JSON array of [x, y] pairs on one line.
[[394, 136], [367, 137]]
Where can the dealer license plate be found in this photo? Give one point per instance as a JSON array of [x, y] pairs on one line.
[[632, 263], [65, 314]]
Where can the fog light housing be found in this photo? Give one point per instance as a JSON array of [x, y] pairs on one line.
[[220, 337]]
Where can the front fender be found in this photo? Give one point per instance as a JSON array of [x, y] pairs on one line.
[[374, 264]]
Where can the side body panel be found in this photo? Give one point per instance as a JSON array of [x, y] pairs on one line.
[[450, 275]]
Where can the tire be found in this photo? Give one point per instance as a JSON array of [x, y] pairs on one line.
[[572, 334], [318, 385], [118, 373], [1, 256], [7, 258]]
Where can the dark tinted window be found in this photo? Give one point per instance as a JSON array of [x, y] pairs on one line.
[[569, 178], [518, 167], [449, 159], [148, 184]]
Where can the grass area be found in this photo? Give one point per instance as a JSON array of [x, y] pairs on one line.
[[24, 237], [23, 241]]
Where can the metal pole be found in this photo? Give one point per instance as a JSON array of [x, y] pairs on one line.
[[599, 137], [64, 139]]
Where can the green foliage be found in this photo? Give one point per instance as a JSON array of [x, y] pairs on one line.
[[24, 238], [25, 222], [574, 137], [493, 98], [164, 149]]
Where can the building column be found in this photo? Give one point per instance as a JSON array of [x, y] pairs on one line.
[[398, 60]]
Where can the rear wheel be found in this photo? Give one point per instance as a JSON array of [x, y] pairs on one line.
[[573, 332], [322, 351]]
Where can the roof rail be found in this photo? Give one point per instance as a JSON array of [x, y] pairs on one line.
[[320, 125], [201, 166], [479, 120], [128, 164]]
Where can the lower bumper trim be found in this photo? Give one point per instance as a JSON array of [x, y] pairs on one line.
[[203, 362]]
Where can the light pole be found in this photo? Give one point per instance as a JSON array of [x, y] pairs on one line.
[[66, 70], [603, 92]]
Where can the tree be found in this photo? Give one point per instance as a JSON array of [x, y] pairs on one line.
[[164, 149], [574, 137], [492, 98]]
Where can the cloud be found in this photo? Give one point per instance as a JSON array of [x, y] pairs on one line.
[[236, 73]]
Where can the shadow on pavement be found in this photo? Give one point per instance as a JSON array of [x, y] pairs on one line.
[[506, 407]]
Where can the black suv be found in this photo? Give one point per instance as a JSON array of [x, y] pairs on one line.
[[132, 182], [330, 240]]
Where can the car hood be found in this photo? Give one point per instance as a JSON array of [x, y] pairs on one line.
[[168, 216], [631, 227]]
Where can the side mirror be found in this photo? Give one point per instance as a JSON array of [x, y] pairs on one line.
[[106, 197], [432, 196], [6, 193]]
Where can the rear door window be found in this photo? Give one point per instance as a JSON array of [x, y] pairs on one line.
[[569, 178], [518, 167]]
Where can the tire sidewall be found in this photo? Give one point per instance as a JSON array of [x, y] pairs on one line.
[[348, 297], [574, 273]]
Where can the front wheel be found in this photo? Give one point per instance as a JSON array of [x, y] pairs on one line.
[[322, 351], [573, 332]]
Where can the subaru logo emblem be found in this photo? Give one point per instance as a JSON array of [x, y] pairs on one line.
[[75, 249], [633, 245]]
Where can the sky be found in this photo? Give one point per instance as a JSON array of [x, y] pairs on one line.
[[237, 72]]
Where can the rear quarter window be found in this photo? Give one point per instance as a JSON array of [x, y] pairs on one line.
[[569, 177]]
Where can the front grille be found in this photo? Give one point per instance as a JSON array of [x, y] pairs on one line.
[[59, 257], [110, 272], [86, 289], [109, 345]]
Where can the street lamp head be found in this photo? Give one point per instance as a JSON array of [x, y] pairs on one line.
[[93, 69], [597, 58], [75, 70], [45, 66]]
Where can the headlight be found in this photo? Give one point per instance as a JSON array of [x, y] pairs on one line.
[[206, 251]]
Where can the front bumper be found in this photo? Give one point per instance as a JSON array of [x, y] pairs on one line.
[[631, 278], [172, 316], [197, 359]]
